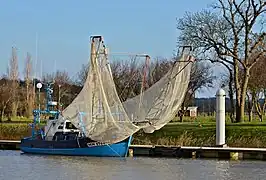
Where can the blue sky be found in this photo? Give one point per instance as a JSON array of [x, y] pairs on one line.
[[64, 28]]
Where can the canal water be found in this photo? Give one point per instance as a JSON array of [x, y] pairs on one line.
[[17, 166]]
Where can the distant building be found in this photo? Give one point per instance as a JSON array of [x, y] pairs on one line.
[[191, 111]]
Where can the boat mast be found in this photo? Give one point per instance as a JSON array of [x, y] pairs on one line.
[[96, 62]]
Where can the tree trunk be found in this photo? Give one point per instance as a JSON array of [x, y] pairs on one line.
[[231, 96], [258, 108], [241, 96], [264, 105], [250, 113], [250, 107], [14, 109], [181, 112], [239, 115], [2, 114], [29, 107], [242, 109], [261, 117], [250, 116], [27, 98], [181, 117], [4, 105]]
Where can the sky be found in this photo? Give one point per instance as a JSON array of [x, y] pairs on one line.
[[57, 33]]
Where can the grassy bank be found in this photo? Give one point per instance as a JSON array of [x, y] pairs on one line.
[[14, 131], [186, 134], [194, 134]]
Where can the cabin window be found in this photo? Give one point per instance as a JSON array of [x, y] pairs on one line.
[[69, 125], [60, 127]]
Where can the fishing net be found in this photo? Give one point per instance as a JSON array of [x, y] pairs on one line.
[[99, 113], [155, 107]]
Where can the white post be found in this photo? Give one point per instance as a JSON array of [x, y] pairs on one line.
[[220, 118]]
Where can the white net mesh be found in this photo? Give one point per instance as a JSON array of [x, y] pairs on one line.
[[155, 107], [98, 112]]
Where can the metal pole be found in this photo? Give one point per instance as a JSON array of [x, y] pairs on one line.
[[59, 94], [39, 118], [39, 86], [220, 118], [39, 96]]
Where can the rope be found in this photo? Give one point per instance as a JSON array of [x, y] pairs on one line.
[[78, 141], [113, 150], [143, 80], [81, 121], [134, 74], [189, 61]]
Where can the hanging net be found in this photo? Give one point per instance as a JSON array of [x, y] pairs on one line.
[[155, 107], [99, 113]]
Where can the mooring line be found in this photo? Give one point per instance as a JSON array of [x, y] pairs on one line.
[[113, 150]]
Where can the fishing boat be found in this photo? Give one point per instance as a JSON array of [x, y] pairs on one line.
[[61, 137], [67, 139], [96, 122]]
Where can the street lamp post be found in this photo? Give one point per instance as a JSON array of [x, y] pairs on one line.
[[39, 86]]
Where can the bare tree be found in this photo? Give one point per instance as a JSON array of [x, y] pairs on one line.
[[28, 83], [5, 96], [158, 68], [82, 75], [13, 77], [133, 76], [232, 37], [128, 74], [127, 77], [257, 89]]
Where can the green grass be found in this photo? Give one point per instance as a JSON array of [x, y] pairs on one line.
[[12, 131], [205, 119], [17, 120], [200, 132], [195, 134]]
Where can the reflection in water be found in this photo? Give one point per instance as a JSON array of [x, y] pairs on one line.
[[17, 166]]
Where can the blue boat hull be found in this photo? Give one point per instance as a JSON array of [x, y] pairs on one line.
[[113, 150]]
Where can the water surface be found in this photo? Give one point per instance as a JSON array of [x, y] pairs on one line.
[[17, 166]]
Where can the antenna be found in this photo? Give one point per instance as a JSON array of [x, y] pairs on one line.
[[41, 69], [36, 62], [54, 70], [36, 53]]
